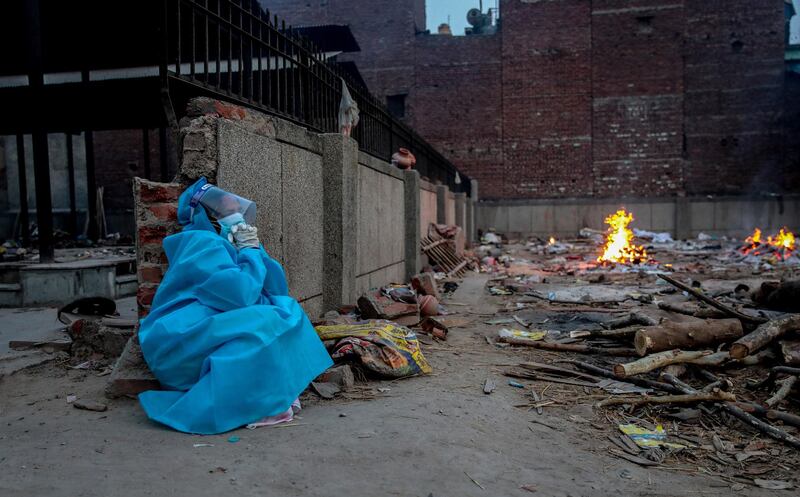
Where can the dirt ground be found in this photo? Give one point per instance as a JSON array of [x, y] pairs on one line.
[[438, 435]]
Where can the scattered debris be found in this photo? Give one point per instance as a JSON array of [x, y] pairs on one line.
[[442, 252]]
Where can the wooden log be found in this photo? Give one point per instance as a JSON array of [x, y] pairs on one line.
[[570, 347], [607, 373], [712, 302], [723, 359], [761, 357], [750, 420], [655, 361], [715, 396], [714, 360], [786, 387], [686, 335], [763, 335]]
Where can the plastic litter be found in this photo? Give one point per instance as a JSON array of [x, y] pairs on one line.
[[515, 333], [348, 112], [649, 438]]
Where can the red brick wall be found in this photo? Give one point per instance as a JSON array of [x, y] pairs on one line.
[[546, 104], [734, 97], [156, 217], [637, 90], [456, 101], [574, 98]]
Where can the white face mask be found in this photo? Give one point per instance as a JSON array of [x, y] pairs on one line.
[[231, 220]]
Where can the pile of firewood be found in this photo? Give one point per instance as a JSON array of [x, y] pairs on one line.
[[721, 338]]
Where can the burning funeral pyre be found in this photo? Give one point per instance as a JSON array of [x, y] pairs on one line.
[[781, 245], [619, 246]]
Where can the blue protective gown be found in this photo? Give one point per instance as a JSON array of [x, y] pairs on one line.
[[223, 336]]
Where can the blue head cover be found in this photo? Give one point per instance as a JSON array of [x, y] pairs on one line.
[[224, 338], [191, 213]]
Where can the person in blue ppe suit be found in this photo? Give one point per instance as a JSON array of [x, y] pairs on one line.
[[224, 338]]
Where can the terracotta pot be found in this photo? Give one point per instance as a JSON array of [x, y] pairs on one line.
[[404, 159], [428, 305]]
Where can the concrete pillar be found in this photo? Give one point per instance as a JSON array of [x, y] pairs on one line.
[[473, 197], [340, 197], [412, 235], [441, 204], [683, 218], [470, 228], [461, 207]]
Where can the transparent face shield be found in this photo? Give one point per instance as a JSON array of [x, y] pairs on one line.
[[227, 208]]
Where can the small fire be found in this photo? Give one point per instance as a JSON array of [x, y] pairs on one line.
[[784, 240], [755, 239], [783, 244], [619, 245], [552, 241]]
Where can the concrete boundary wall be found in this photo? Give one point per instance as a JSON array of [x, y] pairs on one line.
[[340, 221], [429, 206], [381, 238], [450, 208], [682, 217]]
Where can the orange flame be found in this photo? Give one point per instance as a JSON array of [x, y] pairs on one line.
[[552, 241], [784, 240], [619, 245], [783, 243]]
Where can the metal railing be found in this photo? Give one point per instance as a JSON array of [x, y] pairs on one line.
[[239, 52]]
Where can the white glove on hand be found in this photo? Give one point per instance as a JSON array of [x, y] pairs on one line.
[[244, 236]]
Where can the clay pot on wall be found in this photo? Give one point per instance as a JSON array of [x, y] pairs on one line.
[[404, 159]]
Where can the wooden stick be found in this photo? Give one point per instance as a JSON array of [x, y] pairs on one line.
[[686, 335], [712, 302], [607, 373], [537, 366], [763, 335], [659, 360], [527, 375], [786, 387], [570, 347], [716, 396], [769, 381], [456, 270], [763, 412], [748, 419], [617, 333]]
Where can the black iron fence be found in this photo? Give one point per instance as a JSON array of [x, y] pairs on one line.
[[239, 52]]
